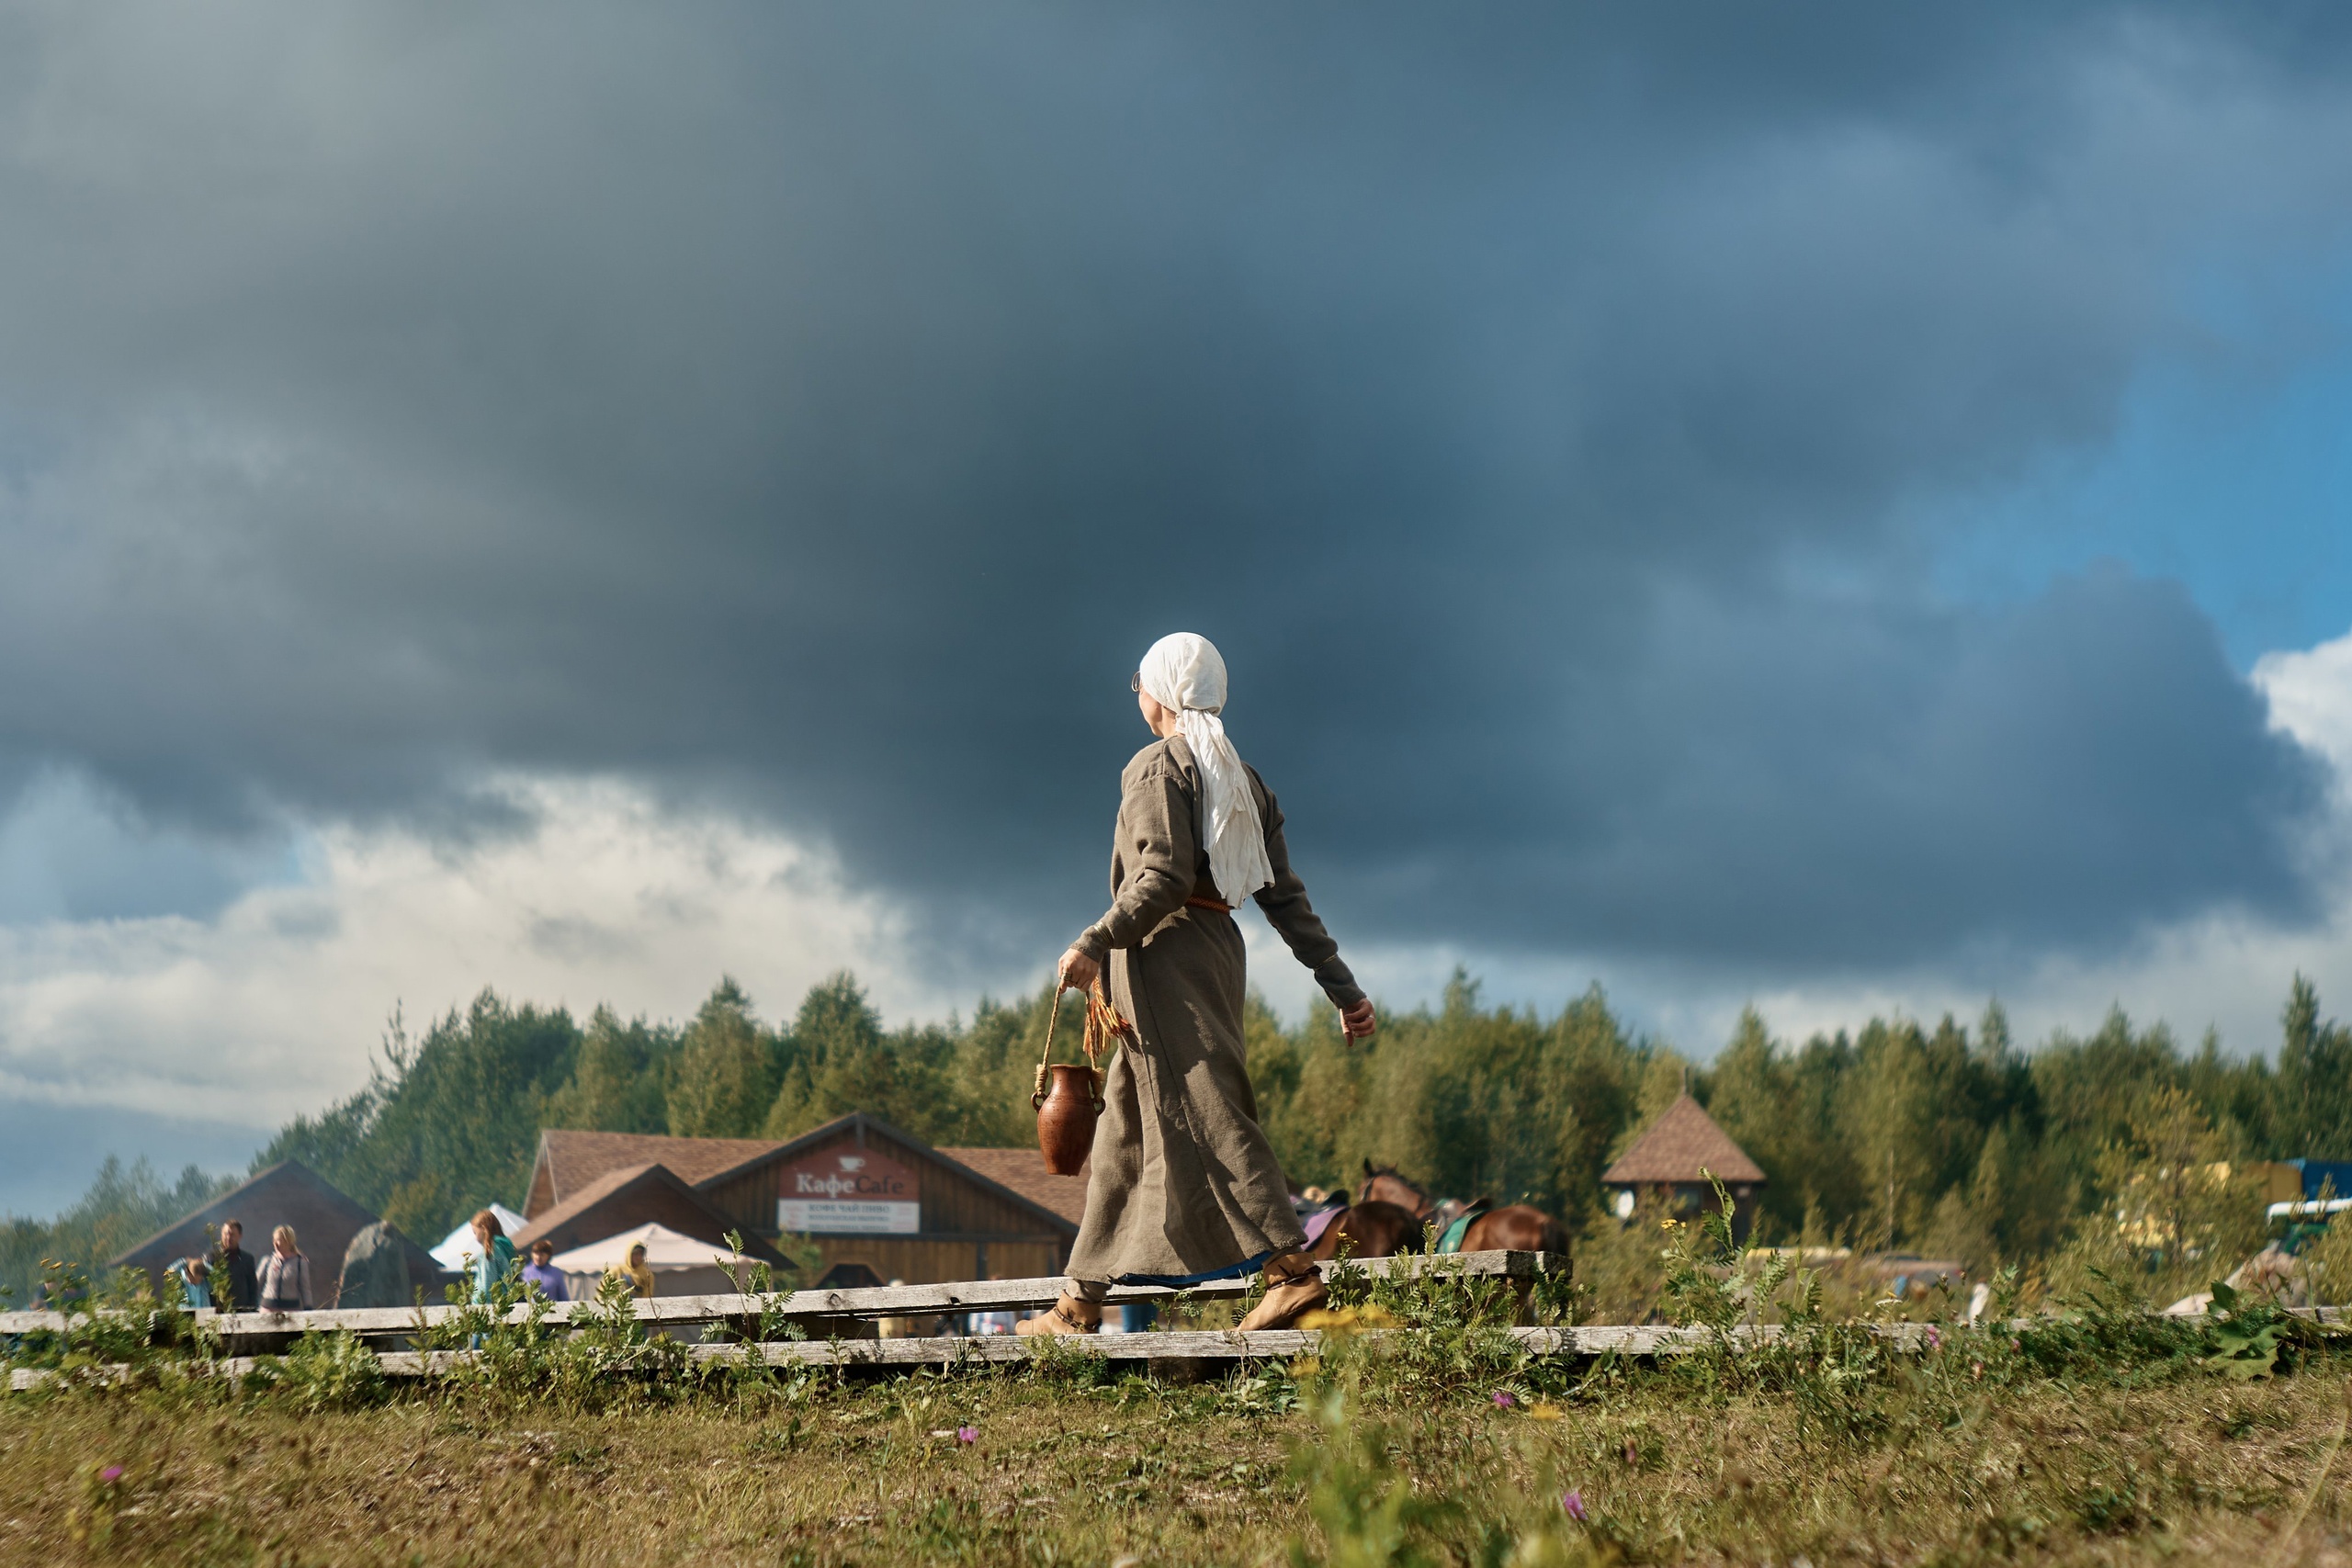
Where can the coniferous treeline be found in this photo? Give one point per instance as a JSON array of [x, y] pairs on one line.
[[1901, 1134], [1944, 1138]]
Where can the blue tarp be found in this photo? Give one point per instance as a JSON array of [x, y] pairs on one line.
[[2335, 1175]]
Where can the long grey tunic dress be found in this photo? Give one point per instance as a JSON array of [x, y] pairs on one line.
[[1184, 1181]]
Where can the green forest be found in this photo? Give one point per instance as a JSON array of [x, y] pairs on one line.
[[1948, 1139]]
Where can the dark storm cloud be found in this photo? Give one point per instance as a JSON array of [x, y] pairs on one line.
[[824, 407]]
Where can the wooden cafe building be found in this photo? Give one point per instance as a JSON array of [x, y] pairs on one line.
[[878, 1203]]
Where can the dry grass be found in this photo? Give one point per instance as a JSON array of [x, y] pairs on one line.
[[2191, 1467]]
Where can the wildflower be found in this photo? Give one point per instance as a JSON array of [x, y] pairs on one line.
[[1543, 1410], [110, 1474], [1572, 1504], [1935, 1337], [1503, 1401], [968, 1434]]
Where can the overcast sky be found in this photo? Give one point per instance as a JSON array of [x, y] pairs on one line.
[[1840, 506]]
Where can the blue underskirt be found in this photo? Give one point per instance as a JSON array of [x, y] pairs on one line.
[[1178, 1281]]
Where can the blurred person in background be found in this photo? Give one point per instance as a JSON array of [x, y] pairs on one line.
[[234, 1279], [285, 1274], [495, 1261], [194, 1282], [636, 1271], [542, 1276]]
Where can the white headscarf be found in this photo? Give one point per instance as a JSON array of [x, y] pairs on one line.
[[1186, 674]]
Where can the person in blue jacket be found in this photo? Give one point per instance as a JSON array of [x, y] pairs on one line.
[[495, 1261]]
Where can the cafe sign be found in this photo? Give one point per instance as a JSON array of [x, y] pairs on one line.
[[847, 1190]]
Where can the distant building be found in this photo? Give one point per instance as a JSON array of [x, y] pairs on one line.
[[630, 1197], [288, 1193], [1671, 1161], [568, 1161], [880, 1205], [1024, 1172]]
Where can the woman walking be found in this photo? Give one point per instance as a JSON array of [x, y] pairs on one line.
[[1185, 1185], [494, 1261]]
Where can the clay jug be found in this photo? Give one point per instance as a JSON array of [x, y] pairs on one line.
[[1066, 1118]]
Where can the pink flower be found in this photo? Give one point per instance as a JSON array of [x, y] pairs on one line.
[[1503, 1401], [1572, 1504], [968, 1434], [1935, 1339], [111, 1473]]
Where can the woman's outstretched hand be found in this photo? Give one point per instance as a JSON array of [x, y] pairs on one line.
[[1079, 972], [1357, 1022]]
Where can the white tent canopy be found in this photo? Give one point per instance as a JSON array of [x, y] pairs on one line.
[[460, 1244], [665, 1250]]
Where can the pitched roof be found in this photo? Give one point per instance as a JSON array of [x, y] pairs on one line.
[[324, 1216], [568, 1161], [858, 1123], [1024, 1170], [628, 1193], [1681, 1142]]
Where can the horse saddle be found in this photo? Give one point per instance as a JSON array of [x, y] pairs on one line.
[[1450, 1238], [1317, 1219]]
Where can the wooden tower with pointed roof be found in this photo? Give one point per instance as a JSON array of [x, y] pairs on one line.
[[1672, 1159]]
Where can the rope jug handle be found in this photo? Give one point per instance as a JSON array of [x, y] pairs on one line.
[[1038, 1101], [1103, 1028]]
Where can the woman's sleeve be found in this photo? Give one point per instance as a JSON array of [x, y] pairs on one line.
[[1287, 910], [1159, 849]]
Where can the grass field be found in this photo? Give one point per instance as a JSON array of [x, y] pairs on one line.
[[2086, 1430], [1933, 1461]]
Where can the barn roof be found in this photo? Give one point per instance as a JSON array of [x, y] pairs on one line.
[[1024, 1170], [1680, 1146], [568, 1161], [570, 1164], [859, 1125], [620, 1200], [289, 1192]]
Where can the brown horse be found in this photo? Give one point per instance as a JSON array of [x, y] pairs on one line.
[[1371, 1230], [1515, 1227]]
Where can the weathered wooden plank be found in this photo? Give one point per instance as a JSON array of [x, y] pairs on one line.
[[883, 1301], [1643, 1340], [1582, 1342], [1000, 1295]]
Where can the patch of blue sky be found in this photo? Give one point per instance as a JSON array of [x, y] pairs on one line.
[[2228, 467], [49, 1151], [69, 852], [2229, 472]]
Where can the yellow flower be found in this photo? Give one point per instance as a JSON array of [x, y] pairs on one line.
[[1543, 1410], [1348, 1320]]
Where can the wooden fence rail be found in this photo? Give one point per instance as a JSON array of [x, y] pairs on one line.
[[1155, 1350], [835, 1321], [815, 1307]]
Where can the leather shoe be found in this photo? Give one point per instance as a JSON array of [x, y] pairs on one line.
[[1293, 1288], [1068, 1315]]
